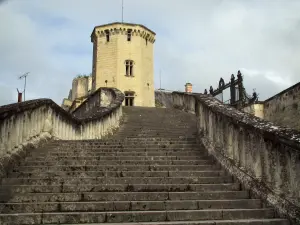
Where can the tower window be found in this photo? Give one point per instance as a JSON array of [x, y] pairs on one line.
[[146, 41], [129, 98], [129, 34], [129, 68], [107, 35]]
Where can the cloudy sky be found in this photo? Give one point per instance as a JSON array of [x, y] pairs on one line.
[[197, 41]]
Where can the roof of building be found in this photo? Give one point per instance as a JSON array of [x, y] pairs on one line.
[[128, 24]]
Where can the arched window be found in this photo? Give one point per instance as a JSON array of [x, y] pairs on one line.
[[129, 68]]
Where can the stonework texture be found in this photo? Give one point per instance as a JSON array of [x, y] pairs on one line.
[[109, 69], [284, 108]]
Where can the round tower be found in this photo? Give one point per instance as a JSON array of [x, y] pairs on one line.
[[123, 58]]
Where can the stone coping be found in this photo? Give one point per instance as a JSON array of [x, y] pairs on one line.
[[7, 111], [277, 134]]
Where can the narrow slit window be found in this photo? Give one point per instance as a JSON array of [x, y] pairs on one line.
[[129, 34], [107, 35]]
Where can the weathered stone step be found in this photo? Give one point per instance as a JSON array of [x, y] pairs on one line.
[[133, 139], [207, 222], [120, 174], [127, 149], [155, 138], [129, 206], [116, 162], [38, 169], [151, 151], [122, 196], [118, 180], [63, 188], [135, 216], [131, 146], [158, 126], [117, 154], [100, 157], [135, 134]]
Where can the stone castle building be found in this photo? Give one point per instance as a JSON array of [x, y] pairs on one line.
[[122, 58]]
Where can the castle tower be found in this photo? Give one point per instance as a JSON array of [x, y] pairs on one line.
[[123, 58]]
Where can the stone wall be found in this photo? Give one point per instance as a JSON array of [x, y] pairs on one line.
[[265, 158], [163, 99], [284, 108], [101, 100], [26, 125]]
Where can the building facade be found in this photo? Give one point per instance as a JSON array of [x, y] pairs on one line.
[[123, 58]]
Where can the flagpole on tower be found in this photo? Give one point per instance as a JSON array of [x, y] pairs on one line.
[[122, 10], [160, 79]]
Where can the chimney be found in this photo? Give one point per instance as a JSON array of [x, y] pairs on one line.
[[188, 87], [19, 97]]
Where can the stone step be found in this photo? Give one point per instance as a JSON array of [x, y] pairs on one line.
[[158, 135], [152, 129], [122, 196], [100, 157], [155, 138], [120, 149], [129, 206], [207, 173], [137, 144], [63, 188], [207, 222], [158, 125], [135, 216], [117, 180], [127, 140], [116, 162], [129, 146], [38, 169], [117, 153], [187, 150]]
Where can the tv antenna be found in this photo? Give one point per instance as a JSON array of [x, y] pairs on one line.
[[21, 77]]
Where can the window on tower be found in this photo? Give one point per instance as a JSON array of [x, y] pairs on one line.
[[129, 68], [107, 35], [129, 34]]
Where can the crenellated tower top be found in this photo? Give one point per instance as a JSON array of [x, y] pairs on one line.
[[123, 28]]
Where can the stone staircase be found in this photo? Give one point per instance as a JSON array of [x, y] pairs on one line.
[[151, 172]]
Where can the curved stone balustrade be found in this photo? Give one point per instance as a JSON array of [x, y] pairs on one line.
[[27, 124], [264, 157]]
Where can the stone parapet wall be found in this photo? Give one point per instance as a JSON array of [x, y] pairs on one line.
[[25, 125], [99, 101], [284, 108], [265, 158]]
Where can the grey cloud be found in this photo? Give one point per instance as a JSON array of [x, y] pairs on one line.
[[197, 42]]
